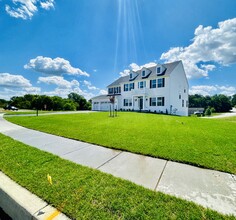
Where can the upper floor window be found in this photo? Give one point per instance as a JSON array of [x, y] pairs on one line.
[[158, 70], [182, 103], [153, 101], [131, 86], [142, 84], [126, 87], [110, 91], [160, 101], [179, 96], [153, 83], [143, 73], [161, 82], [130, 75]]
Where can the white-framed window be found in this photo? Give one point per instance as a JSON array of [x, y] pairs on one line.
[[153, 101], [182, 103], [179, 96], [161, 82], [142, 84], [130, 102], [143, 73], [153, 83], [130, 75], [126, 87], [131, 86], [110, 90], [127, 102], [158, 70], [160, 101]]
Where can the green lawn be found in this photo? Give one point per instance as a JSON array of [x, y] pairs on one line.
[[84, 193], [31, 112], [208, 143]]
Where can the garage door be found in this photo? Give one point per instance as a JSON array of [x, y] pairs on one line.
[[104, 106], [96, 106]]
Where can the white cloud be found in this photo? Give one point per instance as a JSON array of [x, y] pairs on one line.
[[103, 92], [15, 85], [25, 9], [58, 81], [63, 87], [47, 5], [124, 73], [89, 85], [136, 67], [209, 45], [212, 89], [56, 66], [9, 80]]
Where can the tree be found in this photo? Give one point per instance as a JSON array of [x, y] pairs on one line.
[[233, 100], [3, 103], [80, 101], [208, 111], [221, 103]]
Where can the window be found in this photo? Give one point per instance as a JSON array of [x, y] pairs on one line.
[[179, 96], [153, 83], [126, 87], [130, 102], [160, 101], [142, 84], [131, 86], [116, 90], [182, 103], [184, 90], [161, 82], [158, 70], [130, 75], [127, 102], [110, 91], [143, 73], [153, 101], [119, 90]]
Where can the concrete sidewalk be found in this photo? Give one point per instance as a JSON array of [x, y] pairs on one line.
[[209, 188]]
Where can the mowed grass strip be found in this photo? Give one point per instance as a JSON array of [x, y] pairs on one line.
[[84, 193], [207, 143]]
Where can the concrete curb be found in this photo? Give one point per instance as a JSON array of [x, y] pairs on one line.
[[21, 204]]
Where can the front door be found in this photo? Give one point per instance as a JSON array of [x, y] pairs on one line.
[[141, 103]]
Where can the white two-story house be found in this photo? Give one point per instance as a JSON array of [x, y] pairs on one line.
[[161, 88]]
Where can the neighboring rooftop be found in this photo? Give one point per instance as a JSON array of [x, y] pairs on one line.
[[100, 97]]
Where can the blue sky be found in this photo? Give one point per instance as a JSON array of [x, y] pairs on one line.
[[55, 47]]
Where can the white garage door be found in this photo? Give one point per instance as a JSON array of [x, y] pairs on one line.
[[104, 106], [96, 106]]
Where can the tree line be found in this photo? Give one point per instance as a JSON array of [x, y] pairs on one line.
[[73, 102], [218, 103]]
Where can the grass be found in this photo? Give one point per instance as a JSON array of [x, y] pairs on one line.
[[27, 112], [197, 141], [84, 193]]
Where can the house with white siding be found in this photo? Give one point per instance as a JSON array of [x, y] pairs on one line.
[[160, 88]]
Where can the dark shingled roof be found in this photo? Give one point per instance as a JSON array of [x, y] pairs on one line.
[[169, 67]]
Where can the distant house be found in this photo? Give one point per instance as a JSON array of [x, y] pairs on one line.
[[161, 88]]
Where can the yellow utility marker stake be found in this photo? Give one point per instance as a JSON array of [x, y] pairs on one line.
[[49, 179], [53, 215]]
